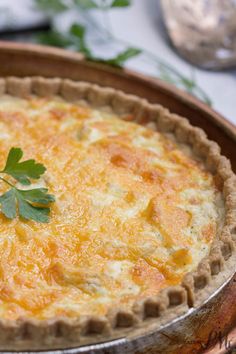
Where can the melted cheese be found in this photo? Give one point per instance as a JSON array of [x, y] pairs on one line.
[[133, 212]]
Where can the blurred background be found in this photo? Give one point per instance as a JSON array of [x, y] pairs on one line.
[[191, 44]]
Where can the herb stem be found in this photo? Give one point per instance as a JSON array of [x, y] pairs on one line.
[[107, 22], [4, 180]]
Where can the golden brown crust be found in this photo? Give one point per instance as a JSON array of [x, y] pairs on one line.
[[196, 286]]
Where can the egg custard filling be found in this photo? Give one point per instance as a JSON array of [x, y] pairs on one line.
[[134, 212]]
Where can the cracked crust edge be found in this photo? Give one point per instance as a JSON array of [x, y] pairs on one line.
[[152, 312]]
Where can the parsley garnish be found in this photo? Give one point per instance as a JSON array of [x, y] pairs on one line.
[[31, 204], [22, 171]]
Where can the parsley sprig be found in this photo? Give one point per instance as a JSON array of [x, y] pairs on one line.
[[31, 204], [77, 38]]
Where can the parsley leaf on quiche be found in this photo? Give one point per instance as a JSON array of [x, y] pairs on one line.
[[31, 204], [22, 171]]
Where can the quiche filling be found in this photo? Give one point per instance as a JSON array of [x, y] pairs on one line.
[[134, 211]]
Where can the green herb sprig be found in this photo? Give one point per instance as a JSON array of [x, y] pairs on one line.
[[75, 38], [60, 5], [31, 204]]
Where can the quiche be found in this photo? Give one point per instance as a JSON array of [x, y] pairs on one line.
[[143, 227]]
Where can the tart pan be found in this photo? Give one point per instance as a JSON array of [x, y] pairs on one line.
[[201, 327]]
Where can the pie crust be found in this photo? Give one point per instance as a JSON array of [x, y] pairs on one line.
[[152, 312]]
